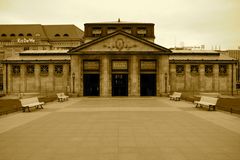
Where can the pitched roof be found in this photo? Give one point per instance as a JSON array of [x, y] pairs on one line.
[[65, 32], [34, 29], [84, 45], [43, 32]]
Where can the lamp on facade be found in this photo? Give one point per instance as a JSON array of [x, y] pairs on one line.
[[73, 80]]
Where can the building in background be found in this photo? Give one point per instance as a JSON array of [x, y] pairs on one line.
[[110, 59]]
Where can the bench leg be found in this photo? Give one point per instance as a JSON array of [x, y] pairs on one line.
[[28, 109], [23, 109], [41, 106], [196, 105]]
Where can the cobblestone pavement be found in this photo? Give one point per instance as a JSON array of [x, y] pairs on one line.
[[120, 129]]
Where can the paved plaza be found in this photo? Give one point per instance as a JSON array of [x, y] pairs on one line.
[[120, 129]]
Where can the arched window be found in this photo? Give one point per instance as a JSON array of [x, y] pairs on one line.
[[20, 35], [65, 35], [57, 35], [12, 35], [29, 35], [4, 35]]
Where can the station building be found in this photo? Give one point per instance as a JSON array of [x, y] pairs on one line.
[[108, 59]]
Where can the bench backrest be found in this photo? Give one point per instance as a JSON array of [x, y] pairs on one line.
[[27, 101], [60, 95], [209, 99], [177, 94]]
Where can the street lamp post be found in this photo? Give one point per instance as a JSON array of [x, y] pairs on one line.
[[73, 80]]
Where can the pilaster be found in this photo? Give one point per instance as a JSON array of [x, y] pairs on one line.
[[134, 76]]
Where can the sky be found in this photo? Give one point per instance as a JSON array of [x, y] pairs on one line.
[[213, 23]]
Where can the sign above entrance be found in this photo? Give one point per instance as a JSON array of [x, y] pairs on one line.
[[91, 65], [148, 65], [119, 65]]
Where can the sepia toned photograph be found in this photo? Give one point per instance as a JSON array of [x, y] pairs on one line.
[[119, 80]]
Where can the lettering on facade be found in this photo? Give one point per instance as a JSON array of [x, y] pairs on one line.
[[91, 65], [26, 40], [119, 65], [148, 65]]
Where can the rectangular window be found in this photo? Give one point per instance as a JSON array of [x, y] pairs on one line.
[[208, 70], [180, 69], [97, 31], [120, 65], [44, 69], [127, 29], [91, 65], [194, 69], [148, 65], [111, 30], [222, 69], [16, 70], [142, 31], [30, 69], [58, 70]]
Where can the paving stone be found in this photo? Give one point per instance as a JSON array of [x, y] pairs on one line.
[[120, 128]]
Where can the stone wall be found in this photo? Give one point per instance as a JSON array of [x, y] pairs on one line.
[[36, 83], [202, 82]]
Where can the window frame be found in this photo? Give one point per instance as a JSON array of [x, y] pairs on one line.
[[56, 71], [42, 73], [182, 70], [14, 73]]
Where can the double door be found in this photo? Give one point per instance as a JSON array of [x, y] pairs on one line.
[[119, 84], [91, 85]]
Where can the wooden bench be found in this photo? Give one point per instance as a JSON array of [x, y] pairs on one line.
[[31, 102], [207, 101], [175, 96], [62, 97]]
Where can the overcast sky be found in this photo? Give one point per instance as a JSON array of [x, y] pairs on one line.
[[188, 22]]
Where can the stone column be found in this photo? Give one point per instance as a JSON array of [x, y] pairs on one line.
[[76, 70], [5, 78], [230, 79], [216, 77], [23, 82], [172, 77], [134, 76], [234, 77], [51, 77], [163, 75], [188, 79], [37, 77], [105, 77], [65, 78], [10, 79], [201, 78]]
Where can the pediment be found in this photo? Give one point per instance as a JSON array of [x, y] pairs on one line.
[[119, 42]]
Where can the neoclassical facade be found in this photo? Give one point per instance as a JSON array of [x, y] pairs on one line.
[[115, 59]]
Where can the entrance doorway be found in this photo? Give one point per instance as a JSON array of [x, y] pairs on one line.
[[91, 85], [119, 84], [148, 84]]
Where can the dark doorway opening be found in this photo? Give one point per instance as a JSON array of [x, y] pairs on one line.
[[148, 84], [119, 84], [91, 85]]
